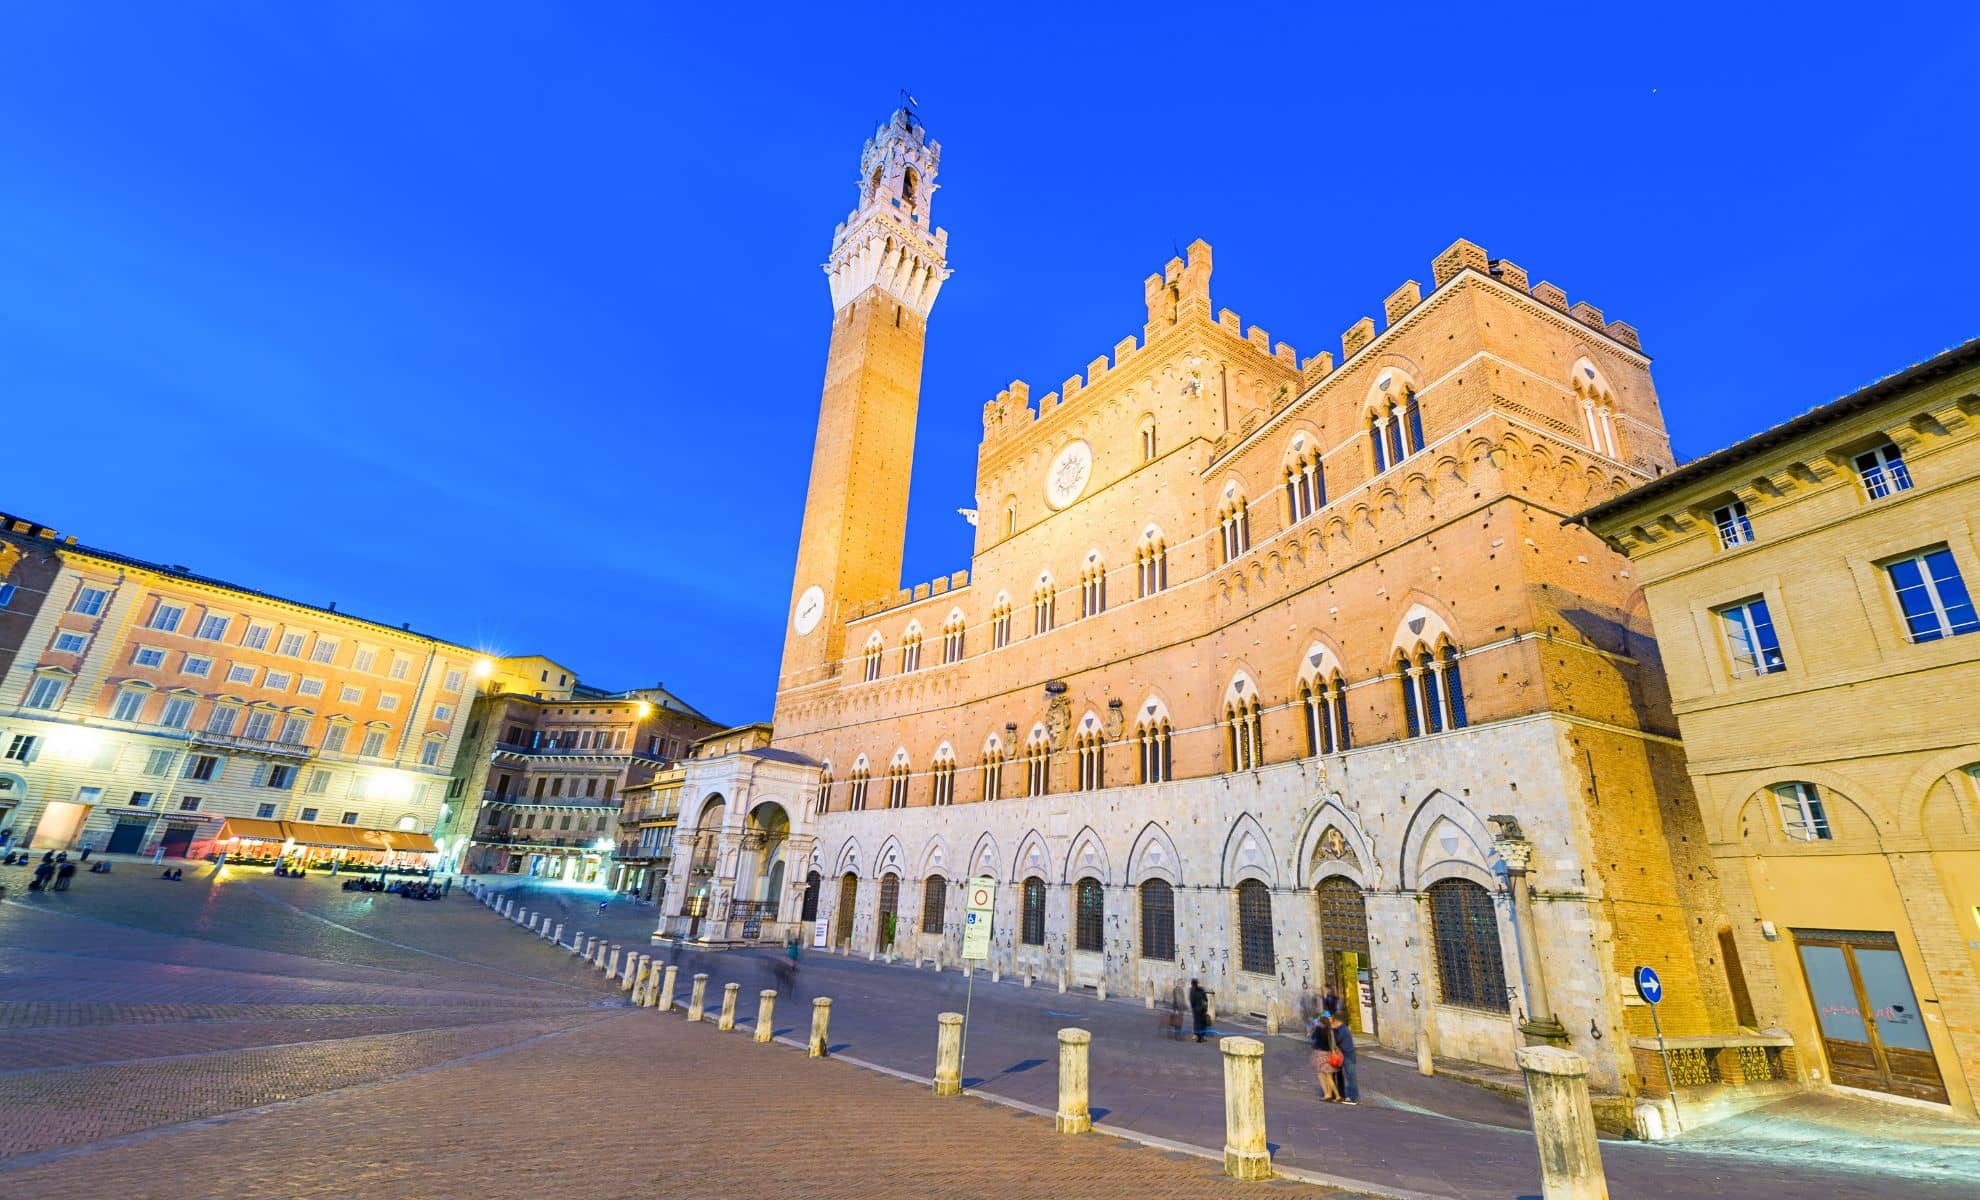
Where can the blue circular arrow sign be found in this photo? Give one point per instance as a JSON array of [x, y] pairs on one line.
[[1649, 986]]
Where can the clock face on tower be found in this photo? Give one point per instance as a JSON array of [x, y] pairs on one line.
[[810, 607], [1067, 477]]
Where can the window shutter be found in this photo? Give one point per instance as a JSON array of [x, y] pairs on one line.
[[260, 774]]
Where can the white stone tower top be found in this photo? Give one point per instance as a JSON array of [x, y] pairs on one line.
[[889, 241]]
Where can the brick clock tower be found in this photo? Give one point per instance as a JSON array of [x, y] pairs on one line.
[[886, 267]]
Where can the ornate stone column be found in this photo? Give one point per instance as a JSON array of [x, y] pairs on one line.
[[1509, 842]]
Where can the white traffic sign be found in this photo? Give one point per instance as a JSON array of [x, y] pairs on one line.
[[980, 897]]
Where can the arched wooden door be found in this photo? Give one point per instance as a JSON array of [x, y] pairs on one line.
[[1344, 949], [848, 899]]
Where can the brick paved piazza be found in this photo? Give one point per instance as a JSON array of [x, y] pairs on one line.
[[275, 1038]]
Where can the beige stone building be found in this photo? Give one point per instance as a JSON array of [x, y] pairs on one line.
[[538, 789], [1267, 669], [145, 707], [1811, 588]]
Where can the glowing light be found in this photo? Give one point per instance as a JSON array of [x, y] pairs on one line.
[[483, 668], [389, 786], [645, 710], [75, 743]]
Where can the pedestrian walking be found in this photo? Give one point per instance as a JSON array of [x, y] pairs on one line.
[[64, 872], [1344, 1049], [1330, 1002], [87, 847], [1326, 1057], [43, 872], [1199, 1008]]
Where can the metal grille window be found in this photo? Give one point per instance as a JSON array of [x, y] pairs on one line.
[[1158, 920], [1032, 928], [1883, 471], [934, 898], [1470, 971], [1090, 923], [1255, 928]]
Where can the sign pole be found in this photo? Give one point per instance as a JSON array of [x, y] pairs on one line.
[[969, 994], [1651, 989], [979, 902]]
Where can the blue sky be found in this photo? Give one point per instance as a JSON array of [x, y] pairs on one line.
[[506, 319]]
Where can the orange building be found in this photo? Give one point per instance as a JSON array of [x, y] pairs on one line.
[[147, 708], [1272, 670]]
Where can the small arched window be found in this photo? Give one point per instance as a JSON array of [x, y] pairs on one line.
[[1000, 622], [856, 788], [874, 648], [1148, 440], [1470, 972], [934, 903], [908, 181], [1158, 920], [1032, 925], [952, 637], [1037, 764], [1092, 749], [1432, 690], [1090, 916], [1243, 729], [942, 778], [1010, 517], [1234, 528], [1306, 487], [911, 649], [1093, 588], [1044, 607], [898, 773], [823, 804], [1152, 740], [993, 769], [1151, 561], [1255, 954]]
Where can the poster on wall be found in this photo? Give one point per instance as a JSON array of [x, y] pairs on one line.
[[818, 934]]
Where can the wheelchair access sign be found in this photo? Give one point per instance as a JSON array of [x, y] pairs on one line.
[[980, 897]]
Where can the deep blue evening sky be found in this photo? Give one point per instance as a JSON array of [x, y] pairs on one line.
[[506, 319]]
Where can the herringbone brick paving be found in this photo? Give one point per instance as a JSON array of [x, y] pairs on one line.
[[385, 1048]]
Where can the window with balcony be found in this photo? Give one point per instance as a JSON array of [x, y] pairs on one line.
[[1734, 529], [1882, 471], [1750, 639]]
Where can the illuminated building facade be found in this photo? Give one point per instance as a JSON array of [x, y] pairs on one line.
[[143, 705]]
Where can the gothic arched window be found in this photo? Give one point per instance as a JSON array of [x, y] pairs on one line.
[[1032, 924], [1158, 920], [934, 903], [1089, 916], [1470, 971], [1254, 901]]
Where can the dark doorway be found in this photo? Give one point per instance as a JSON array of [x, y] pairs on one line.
[[848, 900], [177, 840], [811, 887], [127, 837]]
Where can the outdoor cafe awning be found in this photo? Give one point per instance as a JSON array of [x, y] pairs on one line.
[[250, 828], [335, 837], [411, 843]]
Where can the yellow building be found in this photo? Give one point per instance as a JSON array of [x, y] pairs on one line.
[[1811, 592], [145, 708]]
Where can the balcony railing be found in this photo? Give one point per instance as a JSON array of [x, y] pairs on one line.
[[231, 741]]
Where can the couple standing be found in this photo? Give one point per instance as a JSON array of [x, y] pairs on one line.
[[1333, 1052]]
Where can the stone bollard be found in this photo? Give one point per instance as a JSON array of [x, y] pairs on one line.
[[626, 969], [821, 1022], [1100, 989], [1426, 1063], [1245, 1155], [639, 973], [697, 997], [1563, 1123], [948, 1054], [728, 1018], [558, 937], [1074, 1117], [1062, 982], [508, 908], [590, 946], [1148, 1000], [598, 959], [612, 962], [667, 988], [766, 1014]]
